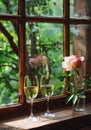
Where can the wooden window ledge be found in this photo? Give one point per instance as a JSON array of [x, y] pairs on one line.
[[66, 119]]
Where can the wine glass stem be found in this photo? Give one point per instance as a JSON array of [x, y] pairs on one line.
[[31, 107], [48, 111]]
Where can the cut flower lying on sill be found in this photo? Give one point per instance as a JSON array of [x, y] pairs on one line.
[[75, 85]]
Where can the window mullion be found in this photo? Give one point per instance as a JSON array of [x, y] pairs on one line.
[[66, 8], [66, 28], [22, 50]]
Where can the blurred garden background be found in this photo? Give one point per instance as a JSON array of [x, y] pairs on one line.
[[41, 38]]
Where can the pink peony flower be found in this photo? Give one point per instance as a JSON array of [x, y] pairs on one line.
[[72, 62]]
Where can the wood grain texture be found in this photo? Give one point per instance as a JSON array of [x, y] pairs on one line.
[[66, 119]]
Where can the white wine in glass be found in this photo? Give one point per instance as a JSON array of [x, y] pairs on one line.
[[47, 89], [31, 92]]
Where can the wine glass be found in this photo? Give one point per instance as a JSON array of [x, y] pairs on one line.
[[31, 92], [47, 89]]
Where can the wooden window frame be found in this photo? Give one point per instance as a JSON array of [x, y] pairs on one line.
[[22, 107]]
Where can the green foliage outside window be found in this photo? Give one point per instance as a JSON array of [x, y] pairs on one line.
[[48, 37]]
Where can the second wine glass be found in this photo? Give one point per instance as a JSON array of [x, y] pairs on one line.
[[47, 89]]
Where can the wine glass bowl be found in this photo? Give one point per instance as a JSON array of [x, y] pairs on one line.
[[47, 90], [31, 92]]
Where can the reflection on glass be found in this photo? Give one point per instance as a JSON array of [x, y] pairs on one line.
[[79, 30], [52, 8], [80, 10], [79, 38]]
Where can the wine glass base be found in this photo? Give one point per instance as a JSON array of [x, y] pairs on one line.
[[32, 118], [50, 115]]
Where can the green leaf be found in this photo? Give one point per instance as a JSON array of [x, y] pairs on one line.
[[82, 96], [75, 99], [69, 98]]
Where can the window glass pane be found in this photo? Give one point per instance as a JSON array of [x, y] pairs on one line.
[[53, 8], [71, 8], [81, 42], [71, 39], [80, 9], [8, 6], [45, 39], [8, 63], [78, 37]]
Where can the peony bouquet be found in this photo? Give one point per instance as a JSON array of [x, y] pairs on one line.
[[75, 85]]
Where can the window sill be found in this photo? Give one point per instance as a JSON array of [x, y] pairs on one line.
[[66, 119], [17, 110]]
